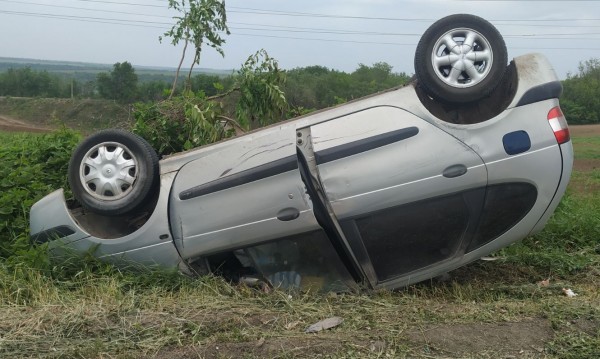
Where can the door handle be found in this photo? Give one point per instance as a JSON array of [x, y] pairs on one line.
[[455, 171], [288, 214]]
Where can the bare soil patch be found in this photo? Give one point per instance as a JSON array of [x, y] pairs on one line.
[[498, 340], [286, 347], [585, 130], [525, 339], [585, 164], [9, 124]]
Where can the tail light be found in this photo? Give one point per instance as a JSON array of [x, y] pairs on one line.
[[559, 125]]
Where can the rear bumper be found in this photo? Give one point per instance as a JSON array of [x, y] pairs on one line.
[[50, 220]]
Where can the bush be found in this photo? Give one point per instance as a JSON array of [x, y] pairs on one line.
[[31, 166], [180, 123]]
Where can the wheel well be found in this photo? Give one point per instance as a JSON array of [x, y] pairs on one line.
[[111, 227], [478, 111]]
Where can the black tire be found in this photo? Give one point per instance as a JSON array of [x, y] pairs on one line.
[[468, 73], [113, 172]]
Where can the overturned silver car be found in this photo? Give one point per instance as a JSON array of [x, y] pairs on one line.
[[383, 191]]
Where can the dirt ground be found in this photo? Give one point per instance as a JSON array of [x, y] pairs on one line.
[[9, 124], [471, 340], [585, 130], [585, 164]]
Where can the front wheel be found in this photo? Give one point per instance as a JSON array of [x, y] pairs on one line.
[[460, 58], [113, 172]]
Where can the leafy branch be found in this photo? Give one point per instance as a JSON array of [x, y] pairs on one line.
[[201, 21]]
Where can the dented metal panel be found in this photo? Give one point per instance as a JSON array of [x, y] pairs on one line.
[[405, 170], [241, 195]]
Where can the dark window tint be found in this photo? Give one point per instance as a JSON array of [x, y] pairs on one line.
[[505, 205], [413, 236]]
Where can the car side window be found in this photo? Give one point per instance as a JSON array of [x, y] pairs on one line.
[[306, 260], [412, 236], [505, 205]]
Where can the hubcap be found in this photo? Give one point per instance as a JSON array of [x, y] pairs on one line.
[[108, 171], [462, 58]]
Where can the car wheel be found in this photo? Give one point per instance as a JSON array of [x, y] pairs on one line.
[[460, 58], [113, 172]]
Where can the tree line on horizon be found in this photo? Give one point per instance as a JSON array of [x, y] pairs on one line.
[[307, 88], [311, 87]]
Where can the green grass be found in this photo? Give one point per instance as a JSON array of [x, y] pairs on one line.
[[31, 166], [587, 147], [81, 308]]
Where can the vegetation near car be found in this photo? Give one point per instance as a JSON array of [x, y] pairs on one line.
[[193, 119], [580, 100], [30, 167], [45, 305]]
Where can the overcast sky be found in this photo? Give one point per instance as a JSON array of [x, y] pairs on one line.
[[338, 34]]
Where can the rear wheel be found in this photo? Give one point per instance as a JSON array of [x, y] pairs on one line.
[[460, 58], [113, 172]]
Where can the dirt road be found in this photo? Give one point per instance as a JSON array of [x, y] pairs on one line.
[[8, 124]]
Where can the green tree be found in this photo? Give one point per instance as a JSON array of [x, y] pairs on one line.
[[25, 82], [201, 21], [318, 87], [205, 83], [152, 90], [581, 96], [261, 99], [193, 119], [120, 84]]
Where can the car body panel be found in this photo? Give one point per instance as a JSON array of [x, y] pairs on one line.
[[240, 195], [43, 230], [397, 173]]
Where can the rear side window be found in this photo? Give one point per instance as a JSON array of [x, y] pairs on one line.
[[402, 239], [505, 205]]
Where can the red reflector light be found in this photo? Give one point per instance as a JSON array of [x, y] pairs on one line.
[[559, 125]]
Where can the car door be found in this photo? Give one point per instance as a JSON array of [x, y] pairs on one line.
[[246, 191], [405, 193]]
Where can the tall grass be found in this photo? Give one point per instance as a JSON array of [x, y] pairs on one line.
[[31, 166]]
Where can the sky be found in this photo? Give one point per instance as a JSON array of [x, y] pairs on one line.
[[338, 34]]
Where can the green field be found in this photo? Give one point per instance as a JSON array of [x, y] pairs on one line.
[[85, 71], [489, 309]]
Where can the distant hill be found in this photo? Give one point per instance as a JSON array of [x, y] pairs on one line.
[[85, 71]]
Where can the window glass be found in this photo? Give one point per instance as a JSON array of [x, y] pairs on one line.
[[505, 205], [306, 261], [402, 239]]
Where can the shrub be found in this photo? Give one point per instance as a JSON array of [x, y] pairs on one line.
[[31, 166], [180, 123]]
